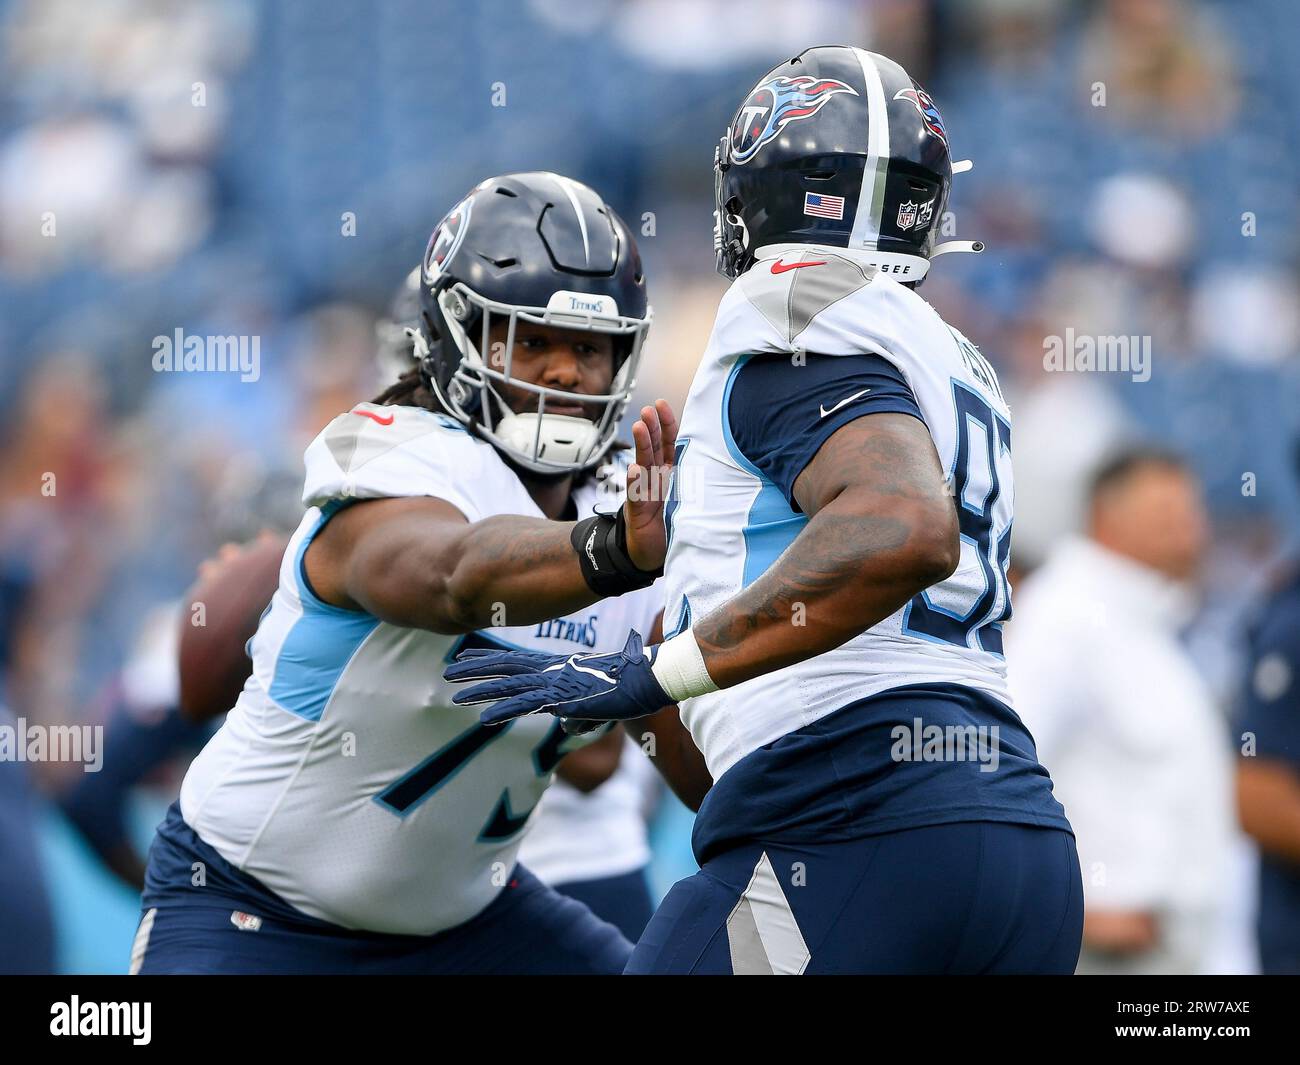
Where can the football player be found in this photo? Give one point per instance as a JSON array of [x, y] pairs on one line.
[[347, 817], [588, 839], [839, 537]]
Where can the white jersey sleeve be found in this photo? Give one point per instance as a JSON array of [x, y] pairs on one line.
[[384, 452]]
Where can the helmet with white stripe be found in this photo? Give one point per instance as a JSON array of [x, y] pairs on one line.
[[539, 249], [837, 147]]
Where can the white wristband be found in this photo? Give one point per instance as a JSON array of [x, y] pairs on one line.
[[679, 668]]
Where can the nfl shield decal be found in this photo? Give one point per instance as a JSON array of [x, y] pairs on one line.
[[910, 214], [773, 105]]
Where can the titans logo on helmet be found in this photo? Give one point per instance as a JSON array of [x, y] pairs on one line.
[[446, 238], [773, 105], [920, 99]]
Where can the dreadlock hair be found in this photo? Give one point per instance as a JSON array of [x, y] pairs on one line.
[[411, 390]]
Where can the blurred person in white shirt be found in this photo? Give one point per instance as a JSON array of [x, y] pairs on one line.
[[1128, 728]]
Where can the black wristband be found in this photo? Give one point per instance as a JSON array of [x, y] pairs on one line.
[[601, 545]]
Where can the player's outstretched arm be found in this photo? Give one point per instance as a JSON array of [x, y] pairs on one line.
[[882, 527], [418, 562]]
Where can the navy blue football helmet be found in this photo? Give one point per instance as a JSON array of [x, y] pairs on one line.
[[538, 248], [839, 147]]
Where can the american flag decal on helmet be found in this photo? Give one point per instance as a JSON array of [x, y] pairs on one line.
[[821, 206]]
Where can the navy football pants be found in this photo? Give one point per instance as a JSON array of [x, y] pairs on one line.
[[234, 924], [529, 929], [970, 897], [624, 901]]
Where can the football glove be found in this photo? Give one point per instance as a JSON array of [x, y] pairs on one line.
[[583, 690]]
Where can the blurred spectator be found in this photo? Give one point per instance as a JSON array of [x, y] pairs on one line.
[[1124, 722], [53, 475], [1268, 771], [1247, 314], [1166, 66]]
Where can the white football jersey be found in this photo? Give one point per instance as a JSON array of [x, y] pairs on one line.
[[805, 341], [344, 779]]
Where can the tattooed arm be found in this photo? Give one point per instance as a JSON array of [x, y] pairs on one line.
[[418, 562], [881, 529]]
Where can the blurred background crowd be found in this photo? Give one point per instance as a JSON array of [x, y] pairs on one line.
[[274, 169]]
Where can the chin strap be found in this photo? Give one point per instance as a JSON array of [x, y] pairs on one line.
[[959, 166], [418, 344], [950, 246]]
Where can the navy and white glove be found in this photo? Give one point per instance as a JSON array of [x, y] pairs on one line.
[[583, 690]]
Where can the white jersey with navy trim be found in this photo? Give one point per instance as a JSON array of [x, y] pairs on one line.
[[805, 341], [344, 779]]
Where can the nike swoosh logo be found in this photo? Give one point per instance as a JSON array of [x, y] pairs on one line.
[[374, 417], [856, 395], [779, 267], [592, 671], [572, 663]]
